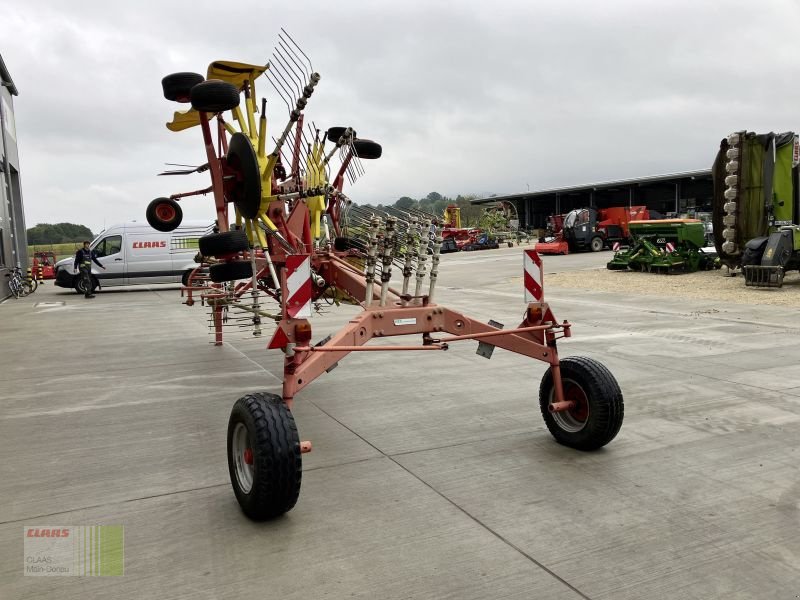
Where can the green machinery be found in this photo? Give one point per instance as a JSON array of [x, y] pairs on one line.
[[757, 205], [664, 246]]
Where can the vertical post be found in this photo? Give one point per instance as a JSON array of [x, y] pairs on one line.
[[437, 245], [217, 316], [412, 253], [422, 266], [372, 251], [677, 202], [386, 259]]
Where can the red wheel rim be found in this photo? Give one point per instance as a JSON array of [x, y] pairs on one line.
[[165, 212], [574, 392], [248, 456]]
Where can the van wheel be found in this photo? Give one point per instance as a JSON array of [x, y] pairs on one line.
[[164, 214], [223, 244], [231, 271], [80, 288]]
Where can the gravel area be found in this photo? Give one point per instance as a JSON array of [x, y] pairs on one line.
[[710, 285]]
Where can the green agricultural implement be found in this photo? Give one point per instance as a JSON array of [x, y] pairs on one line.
[[664, 246], [757, 205]]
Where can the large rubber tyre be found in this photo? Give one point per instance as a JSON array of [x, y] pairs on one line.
[[30, 286], [334, 133], [596, 244], [78, 285], [597, 416], [223, 244], [178, 86], [367, 149], [245, 191], [164, 214], [231, 271], [214, 96], [264, 457]]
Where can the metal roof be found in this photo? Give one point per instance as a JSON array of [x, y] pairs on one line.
[[605, 185], [5, 77]]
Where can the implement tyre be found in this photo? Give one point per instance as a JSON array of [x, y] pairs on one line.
[[598, 410], [264, 456]]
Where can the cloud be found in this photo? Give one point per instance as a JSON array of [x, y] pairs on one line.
[[465, 97]]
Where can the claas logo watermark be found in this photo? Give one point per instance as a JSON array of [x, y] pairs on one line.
[[77, 551]]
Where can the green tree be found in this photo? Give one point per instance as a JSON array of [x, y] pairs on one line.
[[59, 233], [405, 203]]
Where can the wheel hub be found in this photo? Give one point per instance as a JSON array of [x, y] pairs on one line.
[[573, 419], [165, 212], [242, 453]]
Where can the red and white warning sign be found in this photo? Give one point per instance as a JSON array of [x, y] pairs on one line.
[[615, 247], [670, 247], [298, 286], [534, 284]]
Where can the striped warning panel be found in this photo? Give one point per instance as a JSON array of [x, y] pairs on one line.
[[670, 247], [534, 284], [298, 286]]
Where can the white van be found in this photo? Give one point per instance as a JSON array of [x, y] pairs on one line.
[[135, 253]]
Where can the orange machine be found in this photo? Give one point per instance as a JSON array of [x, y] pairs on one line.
[[592, 229]]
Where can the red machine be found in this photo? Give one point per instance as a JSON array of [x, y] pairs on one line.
[[43, 265], [590, 229], [280, 249], [451, 228]]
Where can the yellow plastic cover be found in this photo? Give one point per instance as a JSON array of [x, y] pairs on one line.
[[184, 119], [234, 72]]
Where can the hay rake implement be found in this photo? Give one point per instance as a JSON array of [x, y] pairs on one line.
[[296, 237]]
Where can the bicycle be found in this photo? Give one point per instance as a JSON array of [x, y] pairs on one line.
[[20, 286]]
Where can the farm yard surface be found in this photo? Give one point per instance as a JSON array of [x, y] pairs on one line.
[[432, 474]]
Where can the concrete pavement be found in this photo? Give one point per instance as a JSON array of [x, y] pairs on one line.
[[432, 475]]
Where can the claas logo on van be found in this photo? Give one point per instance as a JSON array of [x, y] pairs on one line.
[[158, 244]]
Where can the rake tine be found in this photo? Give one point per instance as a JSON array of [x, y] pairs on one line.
[[286, 85], [285, 101], [308, 60], [289, 54], [290, 73]]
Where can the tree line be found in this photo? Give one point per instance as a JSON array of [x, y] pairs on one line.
[[58, 233], [435, 203]]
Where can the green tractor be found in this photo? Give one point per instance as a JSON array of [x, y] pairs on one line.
[[757, 205]]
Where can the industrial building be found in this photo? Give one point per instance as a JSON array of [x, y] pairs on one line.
[[676, 193], [13, 240]]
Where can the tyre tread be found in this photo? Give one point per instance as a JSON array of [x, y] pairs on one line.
[[276, 486], [599, 384]]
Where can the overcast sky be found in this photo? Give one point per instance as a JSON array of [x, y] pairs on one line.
[[465, 97]]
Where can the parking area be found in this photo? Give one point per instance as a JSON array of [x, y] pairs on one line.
[[432, 474]]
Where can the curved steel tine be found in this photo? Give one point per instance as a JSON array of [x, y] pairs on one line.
[[290, 74], [308, 60], [288, 86], [292, 59], [285, 101]]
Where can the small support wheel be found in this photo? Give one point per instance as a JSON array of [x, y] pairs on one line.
[[367, 149], [178, 86], [231, 271], [223, 244], [214, 96], [596, 412], [164, 214], [264, 456]]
